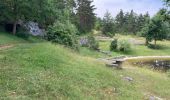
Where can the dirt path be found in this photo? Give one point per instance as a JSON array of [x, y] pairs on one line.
[[2, 47]]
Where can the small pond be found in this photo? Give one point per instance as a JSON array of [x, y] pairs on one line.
[[162, 64]]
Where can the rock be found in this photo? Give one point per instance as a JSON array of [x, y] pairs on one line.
[[84, 41], [112, 65], [155, 98], [34, 29], [128, 79]]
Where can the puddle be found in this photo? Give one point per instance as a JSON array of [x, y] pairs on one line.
[[162, 65]]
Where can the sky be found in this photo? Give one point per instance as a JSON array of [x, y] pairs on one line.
[[139, 6]]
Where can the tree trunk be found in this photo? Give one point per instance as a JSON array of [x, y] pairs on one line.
[[14, 27], [146, 42]]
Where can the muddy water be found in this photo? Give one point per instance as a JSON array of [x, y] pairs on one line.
[[155, 64]]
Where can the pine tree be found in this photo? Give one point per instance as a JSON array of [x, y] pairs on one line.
[[86, 15], [132, 24], [108, 25], [119, 21], [140, 22]]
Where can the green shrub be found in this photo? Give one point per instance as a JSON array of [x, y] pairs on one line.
[[123, 45], [109, 34], [63, 33], [113, 45], [92, 43], [22, 33]]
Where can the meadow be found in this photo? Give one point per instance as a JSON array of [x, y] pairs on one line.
[[42, 70]]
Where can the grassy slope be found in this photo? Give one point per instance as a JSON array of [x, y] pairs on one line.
[[44, 71], [8, 39]]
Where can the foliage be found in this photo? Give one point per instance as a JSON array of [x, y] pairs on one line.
[[124, 22], [123, 45], [89, 42], [113, 45], [86, 16], [22, 33], [63, 33], [167, 2], [14, 10], [98, 24], [158, 28], [108, 25], [92, 43], [45, 12]]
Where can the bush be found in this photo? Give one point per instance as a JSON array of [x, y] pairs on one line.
[[123, 45], [63, 33], [92, 43], [109, 34], [89, 42], [22, 33], [113, 45]]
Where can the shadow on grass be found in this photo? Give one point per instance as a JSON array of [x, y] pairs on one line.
[[157, 47]]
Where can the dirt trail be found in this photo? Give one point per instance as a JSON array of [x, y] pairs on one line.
[[2, 47]]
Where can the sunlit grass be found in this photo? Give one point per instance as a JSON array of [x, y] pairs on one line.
[[41, 71], [139, 50]]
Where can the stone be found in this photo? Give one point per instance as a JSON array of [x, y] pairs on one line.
[[128, 79], [34, 29], [155, 98], [84, 41]]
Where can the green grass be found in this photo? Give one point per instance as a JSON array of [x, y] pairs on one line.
[[9, 39], [44, 71], [6, 38], [139, 50]]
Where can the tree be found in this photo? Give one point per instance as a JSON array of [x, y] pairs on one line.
[[119, 21], [167, 2], [85, 15], [108, 24], [15, 10], [140, 22], [132, 22], [98, 24], [158, 27]]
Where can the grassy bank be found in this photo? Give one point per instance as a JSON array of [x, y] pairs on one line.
[[41, 70]]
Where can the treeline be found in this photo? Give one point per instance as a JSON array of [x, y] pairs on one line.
[[47, 12], [152, 28], [63, 20], [124, 22]]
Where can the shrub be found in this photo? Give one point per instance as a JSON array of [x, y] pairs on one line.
[[63, 33], [123, 45], [89, 42], [92, 43], [22, 33], [109, 34], [113, 45]]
